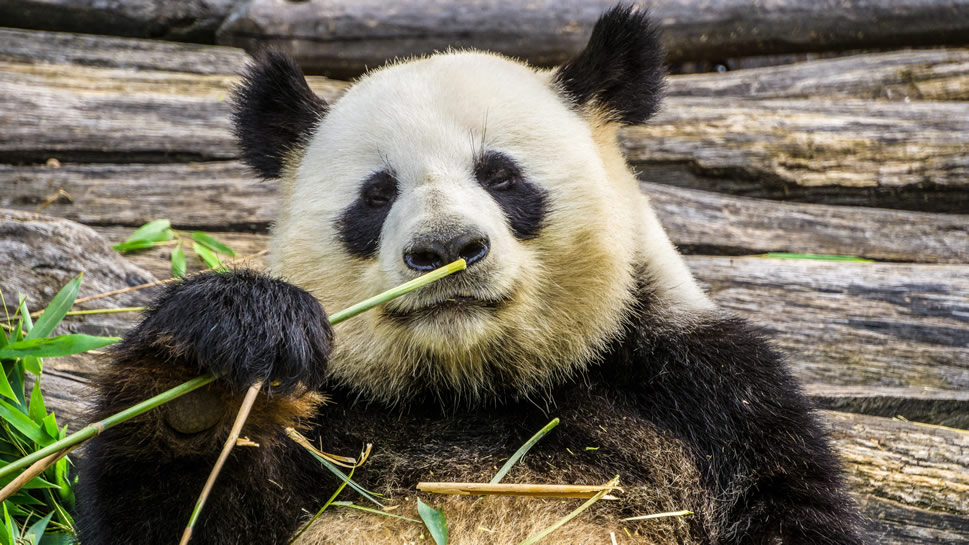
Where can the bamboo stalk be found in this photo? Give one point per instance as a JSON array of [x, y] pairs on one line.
[[91, 430], [34, 470], [526, 490], [600, 496], [230, 442]]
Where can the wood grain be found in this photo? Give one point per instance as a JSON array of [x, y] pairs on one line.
[[346, 37]]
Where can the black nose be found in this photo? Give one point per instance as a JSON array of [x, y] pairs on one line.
[[431, 253]]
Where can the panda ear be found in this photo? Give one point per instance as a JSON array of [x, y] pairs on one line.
[[620, 72], [275, 111]]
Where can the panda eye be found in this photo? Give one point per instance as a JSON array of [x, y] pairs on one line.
[[379, 190], [497, 172]]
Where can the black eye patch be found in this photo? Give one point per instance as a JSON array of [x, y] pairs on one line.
[[360, 224], [523, 202]]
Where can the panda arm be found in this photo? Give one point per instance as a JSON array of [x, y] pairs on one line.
[[722, 390], [138, 482]]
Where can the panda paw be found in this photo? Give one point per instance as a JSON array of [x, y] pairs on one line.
[[241, 326]]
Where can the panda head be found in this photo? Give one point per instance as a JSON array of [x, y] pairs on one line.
[[466, 155]]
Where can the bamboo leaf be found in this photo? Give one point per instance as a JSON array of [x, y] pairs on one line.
[[36, 531], [520, 453], [434, 521], [23, 423], [50, 425], [34, 365], [133, 245], [178, 262], [535, 538], [38, 410], [153, 231], [213, 244], [210, 259], [50, 347], [57, 539], [56, 309], [5, 388], [352, 505], [10, 527]]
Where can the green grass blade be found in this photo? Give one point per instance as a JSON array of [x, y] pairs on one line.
[[56, 309], [435, 522], [535, 538], [207, 256], [343, 476], [520, 453], [36, 531], [325, 506], [50, 347], [211, 243], [178, 262]]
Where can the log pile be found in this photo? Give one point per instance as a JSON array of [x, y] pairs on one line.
[[860, 155]]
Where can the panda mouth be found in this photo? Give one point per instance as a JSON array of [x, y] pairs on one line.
[[459, 302]]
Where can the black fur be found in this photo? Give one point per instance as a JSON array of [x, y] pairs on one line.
[[275, 111], [715, 387], [620, 71], [360, 224], [523, 202], [241, 326]]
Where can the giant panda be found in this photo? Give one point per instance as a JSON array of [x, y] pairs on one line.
[[574, 305]]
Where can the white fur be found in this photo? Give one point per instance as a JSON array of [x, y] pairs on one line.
[[570, 287]]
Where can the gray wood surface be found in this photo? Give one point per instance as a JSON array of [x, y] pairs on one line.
[[224, 196], [344, 38], [935, 74], [190, 20], [837, 151]]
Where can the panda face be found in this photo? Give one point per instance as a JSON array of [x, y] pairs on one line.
[[470, 155], [460, 155]]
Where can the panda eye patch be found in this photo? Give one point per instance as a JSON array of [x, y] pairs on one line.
[[523, 202], [496, 171], [379, 190]]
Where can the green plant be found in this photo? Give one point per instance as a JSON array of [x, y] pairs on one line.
[[38, 512], [158, 232]]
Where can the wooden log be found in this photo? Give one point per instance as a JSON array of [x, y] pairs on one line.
[[837, 151], [912, 481], [345, 38], [224, 196], [41, 254], [844, 151], [188, 20], [937, 74], [31, 47]]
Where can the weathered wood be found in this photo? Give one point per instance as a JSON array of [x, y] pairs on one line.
[[918, 404], [224, 196], [911, 480], [84, 113], [702, 222], [189, 20], [31, 47], [344, 38], [41, 254], [836, 151], [938, 74]]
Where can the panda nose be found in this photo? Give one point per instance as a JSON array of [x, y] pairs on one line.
[[432, 253]]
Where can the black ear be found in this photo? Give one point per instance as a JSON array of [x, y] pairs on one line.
[[620, 72], [275, 111]]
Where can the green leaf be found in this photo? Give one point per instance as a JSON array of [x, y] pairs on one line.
[[36, 483], [56, 309], [34, 365], [213, 244], [36, 531], [178, 262], [153, 231], [11, 532], [822, 257], [50, 425], [210, 259], [50, 347], [57, 539], [134, 245], [24, 315], [434, 520], [520, 453], [5, 388], [23, 423], [38, 410]]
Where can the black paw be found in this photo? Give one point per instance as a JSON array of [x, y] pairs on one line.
[[242, 326]]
